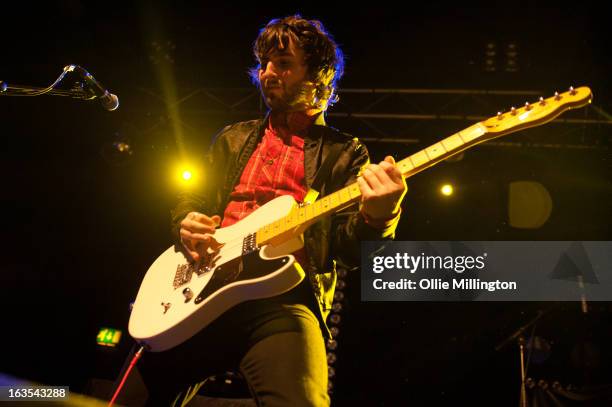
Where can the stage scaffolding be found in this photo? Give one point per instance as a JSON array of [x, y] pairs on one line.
[[398, 116]]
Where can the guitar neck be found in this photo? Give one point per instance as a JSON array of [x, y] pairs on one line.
[[303, 216], [442, 150], [530, 115]]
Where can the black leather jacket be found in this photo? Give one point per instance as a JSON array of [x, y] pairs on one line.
[[330, 241]]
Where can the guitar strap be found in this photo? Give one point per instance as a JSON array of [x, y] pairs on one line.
[[323, 173]]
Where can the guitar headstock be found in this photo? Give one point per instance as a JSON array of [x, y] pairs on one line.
[[536, 113]]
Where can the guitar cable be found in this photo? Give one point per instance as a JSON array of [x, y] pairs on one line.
[[127, 372]]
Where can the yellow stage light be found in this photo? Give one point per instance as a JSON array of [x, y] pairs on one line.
[[446, 189], [184, 175], [529, 205]]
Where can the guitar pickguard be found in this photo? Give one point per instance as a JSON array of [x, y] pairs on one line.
[[247, 267]]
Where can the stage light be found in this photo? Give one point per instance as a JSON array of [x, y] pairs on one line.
[[117, 152], [108, 337], [529, 205], [184, 175], [446, 190], [162, 52], [490, 57], [512, 64], [122, 147]]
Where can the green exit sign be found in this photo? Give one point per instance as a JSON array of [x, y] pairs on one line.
[[108, 337]]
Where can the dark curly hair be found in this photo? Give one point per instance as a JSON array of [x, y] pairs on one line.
[[323, 57]]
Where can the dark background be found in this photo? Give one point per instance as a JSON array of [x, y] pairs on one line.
[[82, 223]]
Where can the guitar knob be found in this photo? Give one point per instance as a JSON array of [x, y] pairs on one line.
[[188, 294]]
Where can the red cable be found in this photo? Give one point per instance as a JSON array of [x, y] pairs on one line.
[[127, 372]]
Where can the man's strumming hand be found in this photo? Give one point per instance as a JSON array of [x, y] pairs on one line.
[[196, 233]]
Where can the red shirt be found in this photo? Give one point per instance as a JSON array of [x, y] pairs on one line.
[[276, 168]]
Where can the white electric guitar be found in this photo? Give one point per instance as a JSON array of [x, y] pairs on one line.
[[253, 259]]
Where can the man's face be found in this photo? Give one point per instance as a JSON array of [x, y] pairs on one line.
[[281, 76]]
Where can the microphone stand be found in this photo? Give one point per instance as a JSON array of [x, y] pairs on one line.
[[519, 336], [19, 90], [78, 91]]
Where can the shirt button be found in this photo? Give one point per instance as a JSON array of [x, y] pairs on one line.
[[270, 161]]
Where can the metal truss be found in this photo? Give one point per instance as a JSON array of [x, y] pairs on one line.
[[401, 116]]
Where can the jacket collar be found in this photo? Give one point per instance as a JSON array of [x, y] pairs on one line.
[[313, 148]]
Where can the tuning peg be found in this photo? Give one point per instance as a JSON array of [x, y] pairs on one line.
[[527, 106], [499, 116], [542, 101], [512, 111], [572, 91], [557, 97]]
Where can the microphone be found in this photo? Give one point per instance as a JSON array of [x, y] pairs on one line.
[[109, 101]]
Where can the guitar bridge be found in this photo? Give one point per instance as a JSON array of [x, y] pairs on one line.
[[183, 275], [184, 272]]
